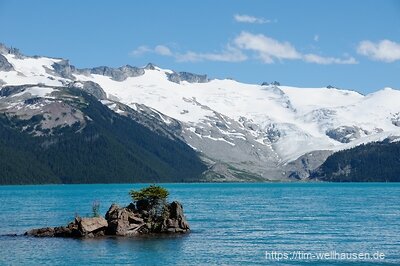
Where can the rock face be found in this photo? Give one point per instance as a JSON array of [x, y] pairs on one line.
[[346, 134], [177, 77], [4, 64], [91, 88], [132, 220], [118, 74], [63, 69]]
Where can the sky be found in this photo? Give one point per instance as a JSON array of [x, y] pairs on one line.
[[347, 44]]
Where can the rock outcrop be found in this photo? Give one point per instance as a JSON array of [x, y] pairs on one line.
[[4, 64], [117, 74], [132, 220], [143, 219], [80, 227], [177, 77]]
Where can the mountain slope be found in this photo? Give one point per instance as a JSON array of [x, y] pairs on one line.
[[260, 129], [372, 162], [101, 147], [268, 132]]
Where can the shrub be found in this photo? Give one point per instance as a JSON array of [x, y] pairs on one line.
[[96, 209], [153, 194]]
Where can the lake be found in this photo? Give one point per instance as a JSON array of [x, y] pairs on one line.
[[232, 224]]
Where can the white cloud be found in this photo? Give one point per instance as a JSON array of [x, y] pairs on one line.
[[316, 38], [140, 50], [266, 48], [162, 50], [384, 50], [250, 19], [230, 54], [159, 49], [269, 50], [317, 59]]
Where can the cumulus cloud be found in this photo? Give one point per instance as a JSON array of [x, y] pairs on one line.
[[159, 49], [250, 19], [140, 50], [317, 59], [162, 50], [269, 50], [265, 48], [384, 50], [230, 54]]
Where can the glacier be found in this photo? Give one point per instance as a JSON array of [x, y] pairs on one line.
[[242, 131]]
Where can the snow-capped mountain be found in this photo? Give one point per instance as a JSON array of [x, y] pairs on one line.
[[243, 131]]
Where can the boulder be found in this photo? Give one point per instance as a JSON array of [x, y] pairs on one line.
[[92, 225], [123, 221]]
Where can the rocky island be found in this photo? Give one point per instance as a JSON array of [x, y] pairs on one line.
[[148, 214]]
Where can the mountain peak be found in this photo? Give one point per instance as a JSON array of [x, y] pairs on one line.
[[389, 89], [150, 66], [279, 125], [9, 50], [274, 83]]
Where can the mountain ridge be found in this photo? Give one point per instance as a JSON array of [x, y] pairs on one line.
[[262, 130], [98, 146]]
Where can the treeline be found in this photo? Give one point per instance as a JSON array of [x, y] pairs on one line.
[[373, 162], [110, 149]]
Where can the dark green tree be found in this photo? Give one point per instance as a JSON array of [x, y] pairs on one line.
[[153, 194], [152, 200]]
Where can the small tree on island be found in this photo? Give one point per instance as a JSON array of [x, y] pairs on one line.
[[152, 199], [153, 194]]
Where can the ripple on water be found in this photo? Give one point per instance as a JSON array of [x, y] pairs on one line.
[[232, 224]]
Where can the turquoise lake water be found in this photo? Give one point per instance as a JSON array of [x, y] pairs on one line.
[[232, 224]]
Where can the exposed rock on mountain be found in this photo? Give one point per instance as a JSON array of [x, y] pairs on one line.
[[91, 88], [303, 167], [185, 76], [345, 134], [245, 131], [117, 74], [62, 69], [4, 64], [64, 135], [9, 50]]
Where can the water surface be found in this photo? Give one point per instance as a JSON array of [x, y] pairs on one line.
[[232, 224]]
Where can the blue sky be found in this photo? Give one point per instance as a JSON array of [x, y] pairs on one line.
[[349, 44]]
